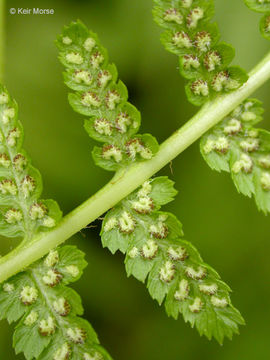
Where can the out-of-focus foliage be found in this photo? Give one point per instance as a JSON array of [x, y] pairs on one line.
[[235, 239]]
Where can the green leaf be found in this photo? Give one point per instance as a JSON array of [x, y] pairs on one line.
[[49, 310], [29, 340], [203, 60], [174, 19], [235, 146], [265, 26], [38, 297], [175, 273], [103, 98], [10, 308], [162, 190], [258, 5], [139, 148], [262, 6], [22, 213], [115, 240]]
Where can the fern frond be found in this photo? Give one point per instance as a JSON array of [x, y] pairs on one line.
[[150, 239], [262, 6], [154, 247], [49, 327], [235, 146], [103, 98], [22, 213], [203, 60]]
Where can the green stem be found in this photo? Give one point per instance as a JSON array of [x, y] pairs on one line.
[[2, 39], [128, 180]]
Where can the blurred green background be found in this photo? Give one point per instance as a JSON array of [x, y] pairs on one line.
[[226, 227]]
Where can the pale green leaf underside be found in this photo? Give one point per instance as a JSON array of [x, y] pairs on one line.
[[154, 248], [202, 59], [103, 98], [235, 146], [49, 326]]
